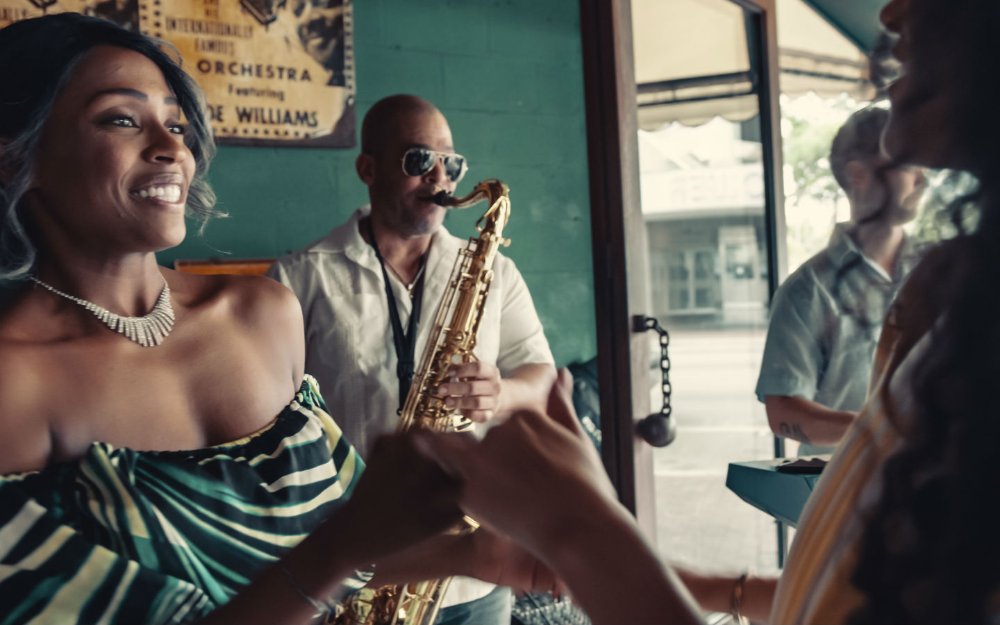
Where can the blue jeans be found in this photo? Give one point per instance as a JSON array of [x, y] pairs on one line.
[[493, 609]]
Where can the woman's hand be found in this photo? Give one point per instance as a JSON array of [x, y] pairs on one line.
[[501, 561], [538, 479], [402, 498], [532, 475]]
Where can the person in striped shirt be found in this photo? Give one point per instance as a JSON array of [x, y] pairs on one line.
[[165, 458]]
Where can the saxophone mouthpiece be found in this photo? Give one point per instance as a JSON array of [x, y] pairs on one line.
[[443, 198]]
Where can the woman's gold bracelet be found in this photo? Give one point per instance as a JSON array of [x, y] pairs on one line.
[[736, 600]]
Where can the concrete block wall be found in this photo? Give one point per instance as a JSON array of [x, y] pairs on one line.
[[508, 75]]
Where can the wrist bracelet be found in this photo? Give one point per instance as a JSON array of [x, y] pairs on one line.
[[736, 600]]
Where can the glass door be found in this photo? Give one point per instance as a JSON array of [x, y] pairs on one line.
[[703, 139], [687, 233]]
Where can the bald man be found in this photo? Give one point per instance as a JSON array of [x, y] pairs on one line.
[[369, 291]]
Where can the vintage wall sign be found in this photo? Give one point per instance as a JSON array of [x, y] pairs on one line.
[[275, 72]]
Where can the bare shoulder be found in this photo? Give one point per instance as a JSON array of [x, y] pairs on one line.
[[253, 300], [265, 298], [257, 309]]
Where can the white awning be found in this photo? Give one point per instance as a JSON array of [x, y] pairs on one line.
[[692, 61]]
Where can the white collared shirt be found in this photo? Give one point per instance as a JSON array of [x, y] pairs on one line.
[[349, 343], [826, 319]]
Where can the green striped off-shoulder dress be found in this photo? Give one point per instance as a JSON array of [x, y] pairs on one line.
[[133, 537]]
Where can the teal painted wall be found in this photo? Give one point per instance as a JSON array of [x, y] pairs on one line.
[[508, 76]]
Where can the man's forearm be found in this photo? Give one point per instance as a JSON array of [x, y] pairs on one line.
[[806, 421], [526, 387]]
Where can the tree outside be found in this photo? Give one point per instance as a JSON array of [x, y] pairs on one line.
[[814, 202]]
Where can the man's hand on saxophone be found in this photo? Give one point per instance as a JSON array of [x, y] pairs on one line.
[[474, 389], [480, 392]]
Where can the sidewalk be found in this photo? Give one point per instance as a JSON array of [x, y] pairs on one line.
[[719, 420]]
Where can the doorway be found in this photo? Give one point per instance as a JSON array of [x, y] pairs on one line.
[[686, 230]]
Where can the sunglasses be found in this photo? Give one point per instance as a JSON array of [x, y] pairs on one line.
[[419, 161]]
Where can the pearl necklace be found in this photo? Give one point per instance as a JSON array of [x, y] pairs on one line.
[[148, 331]]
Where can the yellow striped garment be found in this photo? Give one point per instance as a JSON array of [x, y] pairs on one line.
[[815, 586]]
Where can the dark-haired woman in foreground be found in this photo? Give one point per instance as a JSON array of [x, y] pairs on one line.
[[902, 527], [144, 475]]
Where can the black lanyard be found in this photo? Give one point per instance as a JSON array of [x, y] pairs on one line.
[[406, 343]]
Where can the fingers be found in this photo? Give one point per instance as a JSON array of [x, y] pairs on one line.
[[400, 482], [478, 416], [564, 380], [395, 459], [475, 390], [479, 408], [470, 388], [474, 369], [451, 451]]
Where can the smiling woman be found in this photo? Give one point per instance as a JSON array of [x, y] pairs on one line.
[[144, 476], [112, 159], [30, 84]]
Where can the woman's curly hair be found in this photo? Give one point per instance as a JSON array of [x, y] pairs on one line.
[[930, 551], [37, 57]]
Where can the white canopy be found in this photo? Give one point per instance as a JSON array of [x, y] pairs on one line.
[[692, 61]]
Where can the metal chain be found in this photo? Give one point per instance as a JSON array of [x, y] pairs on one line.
[[651, 323]]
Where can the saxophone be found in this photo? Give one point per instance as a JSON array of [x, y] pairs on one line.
[[452, 339]]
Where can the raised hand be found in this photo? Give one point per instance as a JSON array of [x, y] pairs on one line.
[[402, 498], [537, 479], [531, 474]]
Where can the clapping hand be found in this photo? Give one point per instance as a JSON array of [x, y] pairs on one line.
[[401, 499], [530, 474]]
